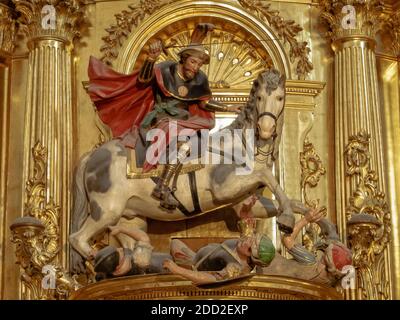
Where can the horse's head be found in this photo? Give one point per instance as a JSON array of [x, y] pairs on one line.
[[268, 94]]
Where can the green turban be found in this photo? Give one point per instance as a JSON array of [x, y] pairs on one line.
[[263, 249]]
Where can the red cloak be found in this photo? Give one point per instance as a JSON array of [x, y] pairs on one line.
[[122, 103]]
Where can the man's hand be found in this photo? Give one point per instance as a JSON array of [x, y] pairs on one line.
[[114, 230], [170, 265], [155, 49], [236, 109], [248, 203], [314, 215], [92, 254]]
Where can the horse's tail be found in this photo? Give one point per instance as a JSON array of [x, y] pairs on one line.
[[79, 212]]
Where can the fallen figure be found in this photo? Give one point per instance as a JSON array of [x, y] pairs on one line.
[[112, 262], [325, 268], [255, 254], [220, 262]]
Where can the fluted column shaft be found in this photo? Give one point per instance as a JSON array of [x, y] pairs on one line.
[[51, 27], [357, 108], [49, 113]]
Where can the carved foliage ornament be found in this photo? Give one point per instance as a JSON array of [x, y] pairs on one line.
[[59, 18], [312, 170], [352, 17], [287, 30], [368, 220], [392, 25], [36, 236], [8, 29], [127, 20]]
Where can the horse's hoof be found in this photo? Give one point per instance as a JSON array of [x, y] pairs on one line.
[[167, 206], [157, 194], [286, 223], [169, 202]]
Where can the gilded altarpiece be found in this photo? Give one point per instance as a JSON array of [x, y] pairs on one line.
[[48, 120]]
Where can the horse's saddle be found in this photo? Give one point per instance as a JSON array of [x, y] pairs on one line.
[[137, 157]]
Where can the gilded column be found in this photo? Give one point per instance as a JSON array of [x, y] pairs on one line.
[[391, 93], [352, 27], [50, 27], [7, 36]]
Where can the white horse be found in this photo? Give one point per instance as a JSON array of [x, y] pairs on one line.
[[102, 185]]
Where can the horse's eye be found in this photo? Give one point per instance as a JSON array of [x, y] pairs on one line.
[[259, 98]]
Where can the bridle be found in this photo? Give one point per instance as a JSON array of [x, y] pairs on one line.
[[269, 114], [274, 135]]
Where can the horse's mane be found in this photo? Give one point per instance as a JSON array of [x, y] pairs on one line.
[[248, 114]]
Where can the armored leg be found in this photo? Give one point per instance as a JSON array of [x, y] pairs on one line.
[[161, 191], [167, 171], [168, 200]]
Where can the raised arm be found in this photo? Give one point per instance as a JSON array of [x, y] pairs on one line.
[[215, 106], [146, 73], [312, 215]]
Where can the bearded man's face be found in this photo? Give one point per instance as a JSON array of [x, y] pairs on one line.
[[191, 67]]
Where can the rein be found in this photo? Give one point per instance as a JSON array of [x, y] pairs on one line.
[[270, 152]]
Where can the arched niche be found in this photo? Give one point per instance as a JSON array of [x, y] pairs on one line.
[[180, 17], [234, 26]]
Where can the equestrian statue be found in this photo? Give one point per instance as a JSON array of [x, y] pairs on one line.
[[161, 96]]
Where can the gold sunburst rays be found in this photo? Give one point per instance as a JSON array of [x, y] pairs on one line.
[[234, 62]]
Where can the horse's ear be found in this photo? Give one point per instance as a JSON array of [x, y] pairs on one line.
[[282, 81], [255, 83]]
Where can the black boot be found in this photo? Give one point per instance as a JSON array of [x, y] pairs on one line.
[[168, 201], [157, 191], [162, 192]]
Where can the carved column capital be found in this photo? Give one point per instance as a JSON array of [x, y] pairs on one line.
[[393, 27], [352, 19], [8, 29], [51, 19]]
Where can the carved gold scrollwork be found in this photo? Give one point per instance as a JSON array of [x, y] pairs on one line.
[[286, 30], [368, 220], [311, 171], [392, 25], [36, 236], [8, 29], [47, 212], [127, 20]]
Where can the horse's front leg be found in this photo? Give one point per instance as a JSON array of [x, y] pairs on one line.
[[285, 219], [299, 207], [108, 214]]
